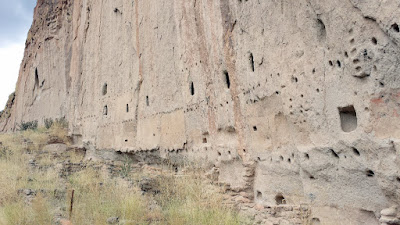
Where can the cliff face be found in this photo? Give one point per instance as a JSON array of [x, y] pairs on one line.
[[44, 78], [293, 101]]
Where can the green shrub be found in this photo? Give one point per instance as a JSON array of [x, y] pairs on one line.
[[32, 125], [5, 152], [59, 122], [126, 167], [48, 123]]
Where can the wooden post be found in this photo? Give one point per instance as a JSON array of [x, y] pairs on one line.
[[72, 204]]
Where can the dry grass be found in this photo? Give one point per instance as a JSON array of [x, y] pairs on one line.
[[186, 199], [98, 198], [190, 199]]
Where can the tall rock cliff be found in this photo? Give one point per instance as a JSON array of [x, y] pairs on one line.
[[295, 102]]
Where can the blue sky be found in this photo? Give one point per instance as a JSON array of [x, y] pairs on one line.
[[15, 20]]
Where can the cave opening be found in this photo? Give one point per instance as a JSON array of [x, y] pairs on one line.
[[227, 79], [105, 89], [348, 118], [36, 78], [105, 110], [321, 30], [251, 60], [192, 88], [280, 200]]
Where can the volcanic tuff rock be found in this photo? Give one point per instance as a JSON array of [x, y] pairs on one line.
[[292, 102], [6, 113]]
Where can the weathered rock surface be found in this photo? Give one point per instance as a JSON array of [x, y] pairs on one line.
[[295, 102], [6, 113], [113, 220]]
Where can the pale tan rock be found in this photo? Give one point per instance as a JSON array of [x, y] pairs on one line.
[[55, 148], [241, 199], [65, 222], [297, 100], [392, 211], [389, 220], [259, 207], [244, 194]]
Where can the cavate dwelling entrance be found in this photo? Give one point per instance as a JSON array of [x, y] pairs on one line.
[[36, 79], [105, 89], [105, 110], [191, 88], [227, 79], [348, 118]]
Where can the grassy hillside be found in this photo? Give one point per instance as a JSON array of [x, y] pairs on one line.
[[36, 185]]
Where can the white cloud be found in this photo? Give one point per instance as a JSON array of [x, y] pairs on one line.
[[10, 60]]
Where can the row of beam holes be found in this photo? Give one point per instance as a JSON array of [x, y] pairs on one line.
[[369, 173], [375, 42], [259, 85], [282, 159], [353, 52], [105, 90], [251, 60]]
